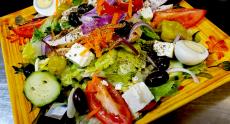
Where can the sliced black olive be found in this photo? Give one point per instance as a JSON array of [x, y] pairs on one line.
[[123, 32], [157, 78], [80, 102], [28, 69], [74, 19], [162, 62], [83, 8]]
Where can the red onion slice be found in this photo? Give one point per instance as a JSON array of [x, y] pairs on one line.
[[194, 77], [124, 41], [139, 24]]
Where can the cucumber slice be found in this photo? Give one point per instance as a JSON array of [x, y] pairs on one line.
[[41, 88]]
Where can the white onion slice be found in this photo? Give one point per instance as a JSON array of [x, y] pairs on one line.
[[71, 111], [194, 77]]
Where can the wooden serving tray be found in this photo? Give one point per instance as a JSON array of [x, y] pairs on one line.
[[21, 107]]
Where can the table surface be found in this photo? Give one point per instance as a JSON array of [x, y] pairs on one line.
[[211, 108]]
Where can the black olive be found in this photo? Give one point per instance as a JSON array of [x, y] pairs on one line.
[[83, 8], [172, 2], [152, 54], [123, 32], [80, 102], [74, 19], [28, 69], [157, 78], [162, 62]]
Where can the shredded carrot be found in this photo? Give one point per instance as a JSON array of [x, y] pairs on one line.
[[115, 18], [92, 113], [21, 42], [130, 8], [91, 86], [114, 21], [100, 38], [69, 1], [99, 6], [26, 40], [56, 7]]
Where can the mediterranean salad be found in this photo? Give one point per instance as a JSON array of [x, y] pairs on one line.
[[108, 61]]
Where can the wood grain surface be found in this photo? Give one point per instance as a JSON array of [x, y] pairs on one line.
[[191, 91]]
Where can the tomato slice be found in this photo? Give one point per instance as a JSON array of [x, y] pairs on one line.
[[187, 17], [149, 107], [28, 29], [120, 7], [112, 108], [137, 4]]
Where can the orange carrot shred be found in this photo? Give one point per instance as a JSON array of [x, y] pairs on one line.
[[100, 38], [99, 6], [92, 113], [115, 18], [21, 41], [130, 8]]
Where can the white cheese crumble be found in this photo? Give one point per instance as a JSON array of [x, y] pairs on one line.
[[146, 13], [164, 48], [137, 97], [57, 110], [74, 54]]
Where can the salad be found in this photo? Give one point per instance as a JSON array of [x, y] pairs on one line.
[[108, 61]]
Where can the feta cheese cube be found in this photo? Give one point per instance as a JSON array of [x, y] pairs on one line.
[[146, 13], [164, 48], [57, 110], [137, 97], [74, 55]]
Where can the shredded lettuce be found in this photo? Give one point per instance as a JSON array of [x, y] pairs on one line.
[[106, 60], [197, 69], [125, 68], [37, 35], [31, 50], [71, 75]]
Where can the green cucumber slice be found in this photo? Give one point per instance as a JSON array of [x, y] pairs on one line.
[[41, 88]]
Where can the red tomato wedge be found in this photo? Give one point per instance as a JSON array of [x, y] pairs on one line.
[[137, 4], [187, 17], [112, 107], [28, 29]]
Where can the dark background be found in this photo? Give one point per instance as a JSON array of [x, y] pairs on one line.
[[218, 11]]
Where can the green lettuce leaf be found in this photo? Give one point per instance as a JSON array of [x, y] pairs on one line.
[[147, 34], [166, 89], [77, 2], [71, 75], [106, 60]]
